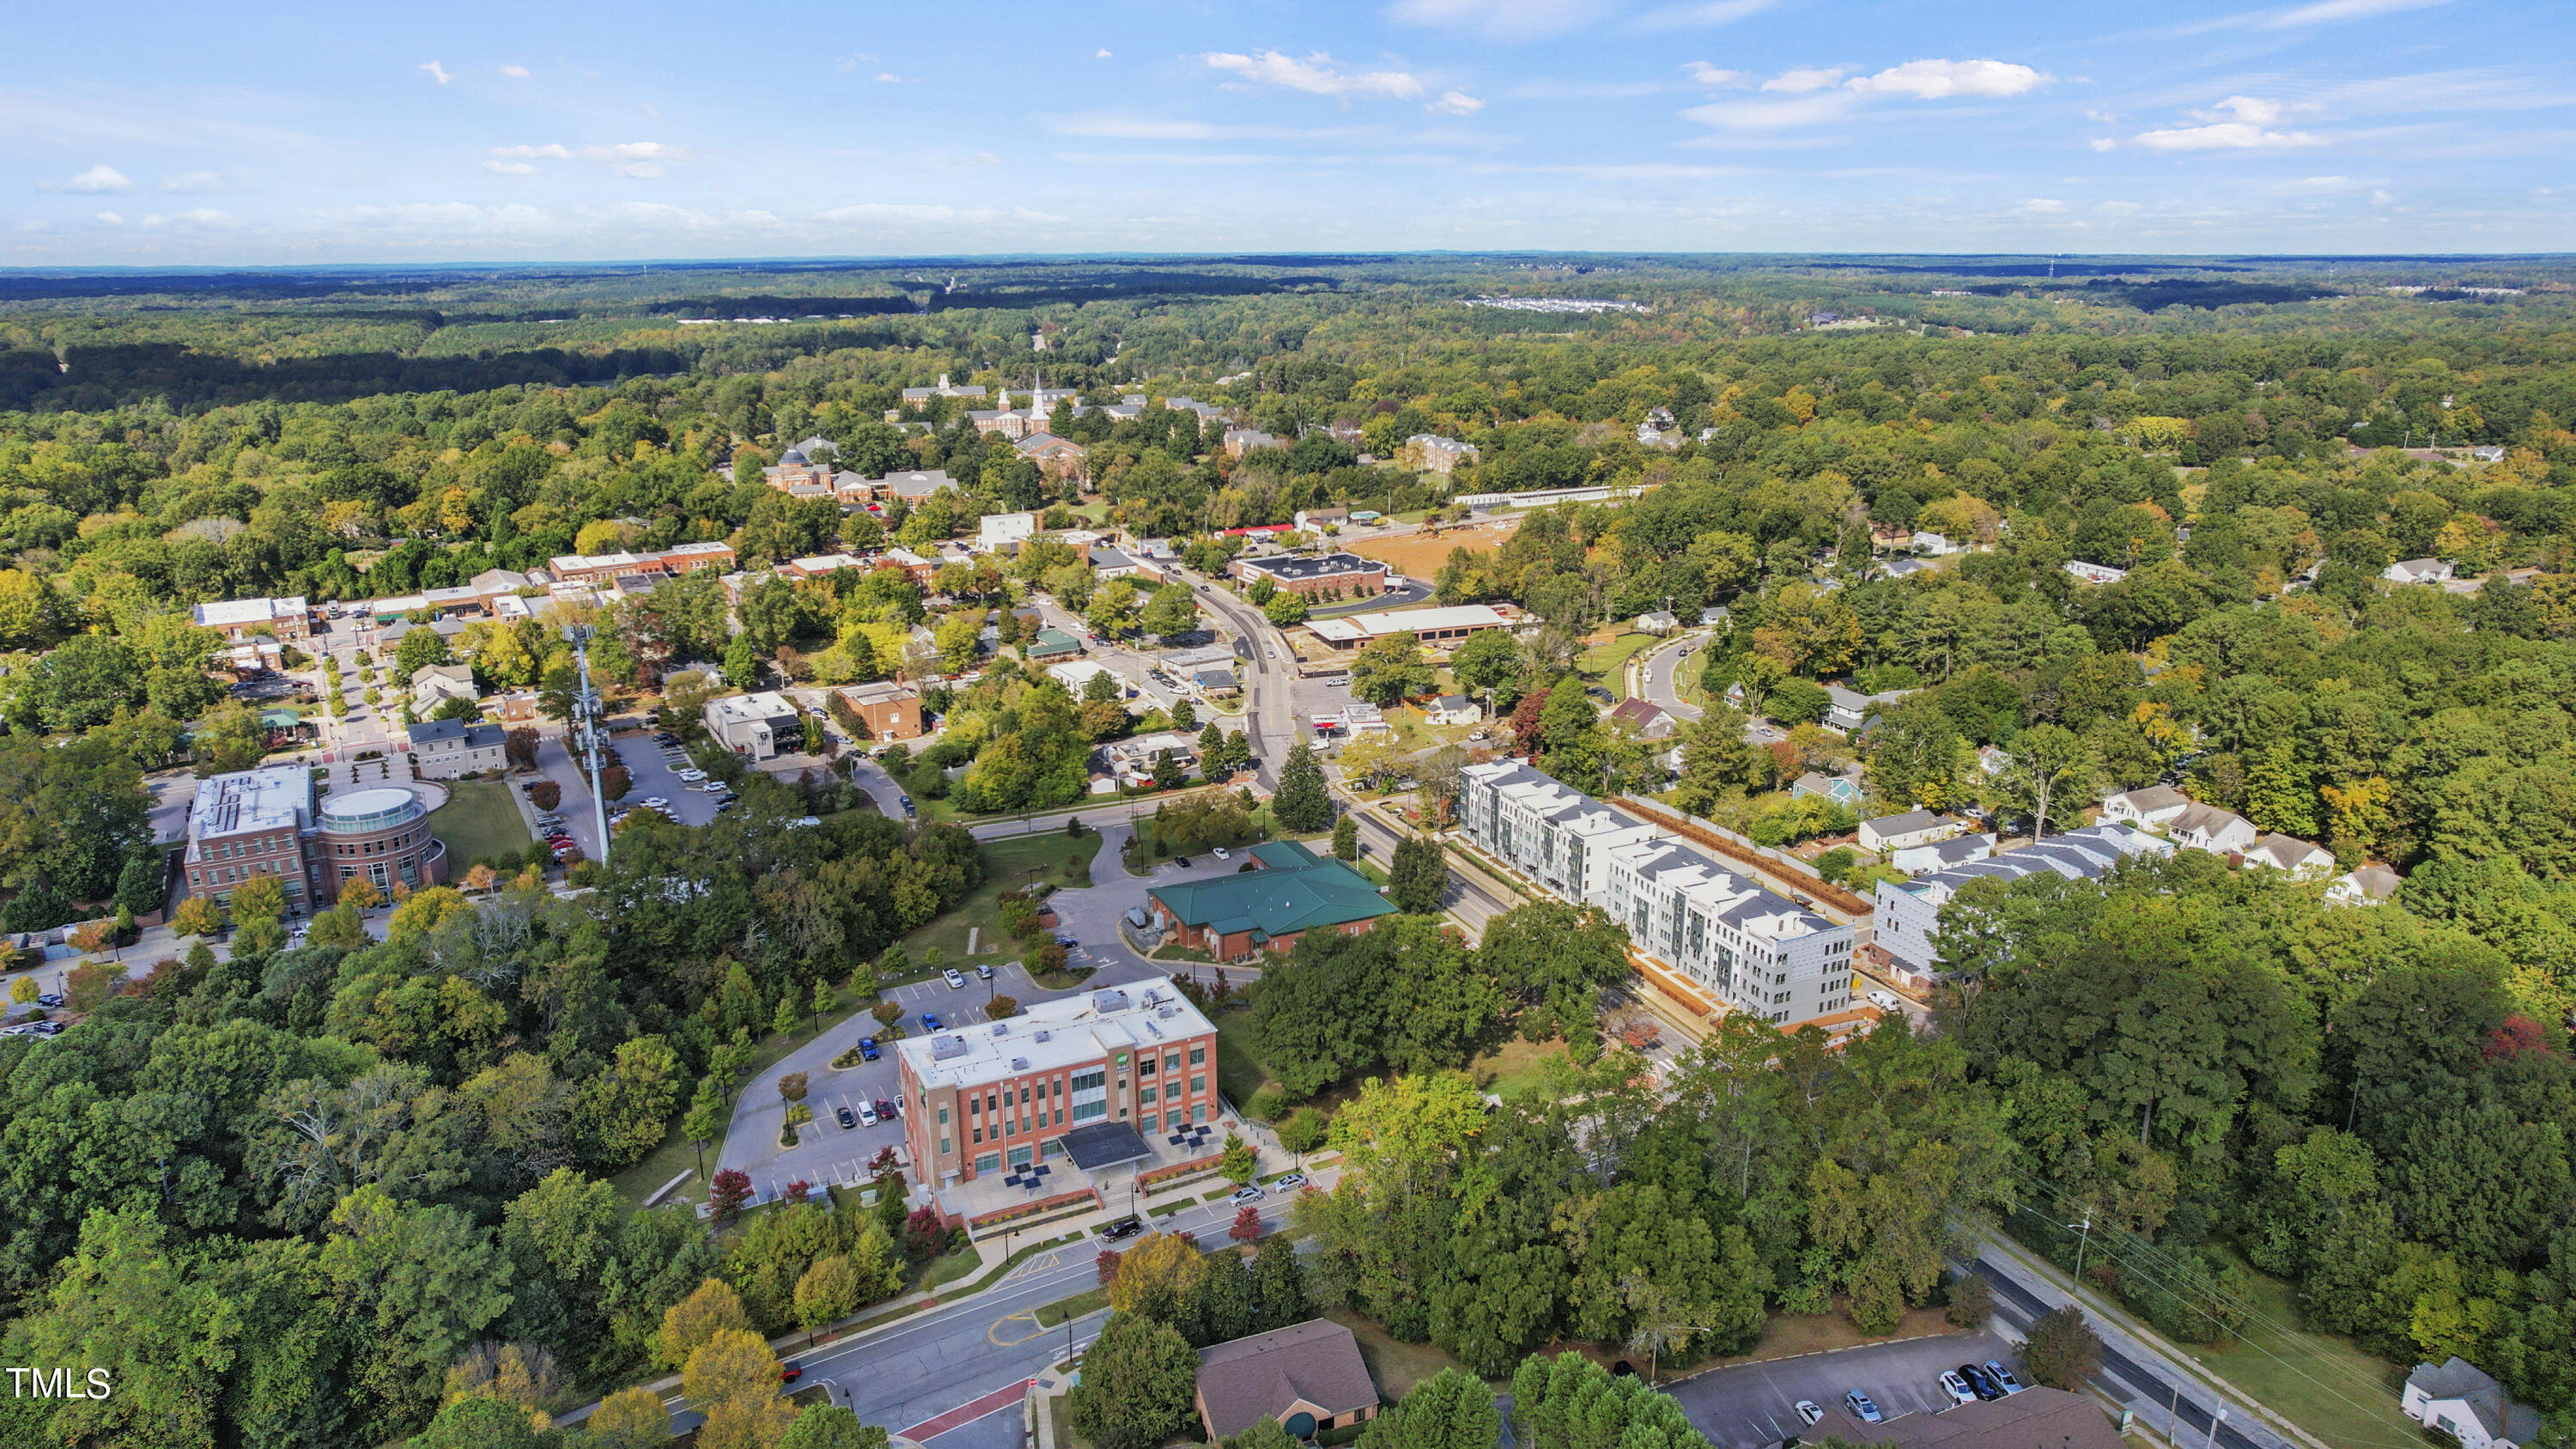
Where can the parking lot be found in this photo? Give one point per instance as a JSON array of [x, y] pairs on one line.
[[1753, 1406], [654, 771]]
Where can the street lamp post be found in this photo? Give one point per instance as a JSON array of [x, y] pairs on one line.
[[2214, 1421]]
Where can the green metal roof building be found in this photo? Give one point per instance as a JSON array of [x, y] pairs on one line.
[[1293, 891]]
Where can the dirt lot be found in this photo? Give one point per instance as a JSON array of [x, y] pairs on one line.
[[1417, 556]]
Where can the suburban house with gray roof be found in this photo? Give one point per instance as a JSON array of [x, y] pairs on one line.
[[2150, 807], [1908, 913], [2460, 1399], [1306, 1378]]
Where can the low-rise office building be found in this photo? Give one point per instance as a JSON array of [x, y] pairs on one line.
[[285, 619], [249, 823], [755, 726], [890, 711], [1005, 1095], [1347, 573], [1248, 914], [1443, 628]]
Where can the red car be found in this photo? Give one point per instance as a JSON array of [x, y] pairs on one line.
[[790, 1372]]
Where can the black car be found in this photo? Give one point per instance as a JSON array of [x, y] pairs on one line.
[[51, 999], [1980, 1382], [849, 1119], [1180, 860], [1121, 1230]]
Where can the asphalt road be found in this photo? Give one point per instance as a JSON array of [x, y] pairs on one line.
[[1474, 902], [2124, 1377], [1661, 687], [953, 1355]]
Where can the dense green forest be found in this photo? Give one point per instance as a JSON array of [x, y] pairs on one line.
[[290, 1196]]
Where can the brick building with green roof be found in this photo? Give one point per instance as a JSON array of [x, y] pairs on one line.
[[1291, 891]]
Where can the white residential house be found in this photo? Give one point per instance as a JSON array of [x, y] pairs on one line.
[[1937, 545], [1907, 914], [2371, 885], [2150, 807], [1937, 855], [2093, 573], [1659, 621], [2460, 1399], [2417, 571], [1453, 709], [446, 748], [2206, 827], [1896, 832], [2304, 860], [434, 684], [1847, 710]]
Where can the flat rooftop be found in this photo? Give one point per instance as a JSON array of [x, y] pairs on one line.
[[1069, 1031]]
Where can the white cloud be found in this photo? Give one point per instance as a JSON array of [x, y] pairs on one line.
[[1932, 80], [436, 71], [1800, 82], [1316, 75], [2043, 206], [889, 77], [97, 179], [191, 181], [2310, 185], [2327, 11], [515, 72], [1499, 19], [2382, 198], [1781, 115], [1101, 54], [2238, 123], [1125, 127], [1455, 103], [641, 159], [109, 218], [1708, 75], [2104, 143], [199, 218], [1708, 12]]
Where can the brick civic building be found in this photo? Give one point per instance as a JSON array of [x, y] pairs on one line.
[[1312, 575], [1290, 891], [996, 1096]]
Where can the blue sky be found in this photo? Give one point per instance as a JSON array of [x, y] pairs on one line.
[[160, 133]]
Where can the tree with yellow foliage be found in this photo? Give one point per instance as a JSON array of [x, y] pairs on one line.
[[733, 1378], [709, 1310]]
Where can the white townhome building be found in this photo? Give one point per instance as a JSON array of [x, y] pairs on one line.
[[1908, 913], [1736, 943]]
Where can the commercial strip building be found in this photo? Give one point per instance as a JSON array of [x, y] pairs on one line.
[[1290, 891], [1310, 575], [890, 711], [284, 619], [1009, 1095], [264, 822], [605, 568], [1733, 942], [1443, 628]]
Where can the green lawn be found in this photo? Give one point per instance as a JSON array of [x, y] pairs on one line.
[[1515, 1067], [1396, 1367], [1240, 1072], [1607, 663], [479, 820], [2322, 1382], [1008, 865]]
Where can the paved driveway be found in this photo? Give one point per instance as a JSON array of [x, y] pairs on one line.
[[1752, 1404], [827, 1152]]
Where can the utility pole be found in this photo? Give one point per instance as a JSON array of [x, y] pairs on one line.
[[585, 719], [2214, 1421], [2080, 1244]]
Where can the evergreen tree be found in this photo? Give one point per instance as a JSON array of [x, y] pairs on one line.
[[1346, 838], [1419, 876], [1302, 806]]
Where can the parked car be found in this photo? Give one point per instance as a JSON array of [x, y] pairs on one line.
[[983, 972], [1809, 1411], [1957, 1388], [657, 801], [790, 1372], [53, 1000], [1885, 1001], [715, 787], [49, 1028], [1980, 1382], [1290, 1183], [692, 776], [849, 1119], [888, 1108], [1862, 1408], [955, 981], [867, 1048], [1221, 853], [930, 1021], [1066, 938], [2003, 1377], [867, 1115], [1249, 1192], [1180, 860], [1121, 1230]]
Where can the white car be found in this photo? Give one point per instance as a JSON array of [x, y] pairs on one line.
[[693, 776], [656, 801], [1809, 1411], [1957, 1388], [1221, 855], [1885, 1001], [714, 787], [955, 981], [867, 1114]]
